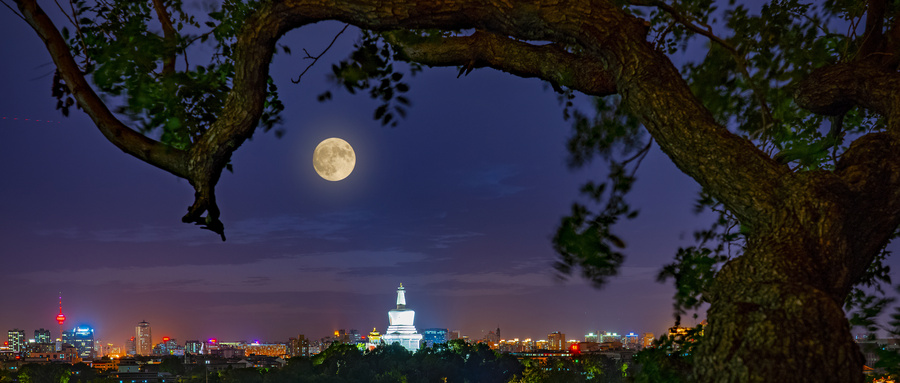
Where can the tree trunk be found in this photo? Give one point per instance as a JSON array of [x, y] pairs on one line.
[[771, 320]]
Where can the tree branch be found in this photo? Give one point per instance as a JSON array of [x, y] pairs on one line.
[[169, 36], [873, 38], [739, 59], [483, 49], [148, 150], [835, 89]]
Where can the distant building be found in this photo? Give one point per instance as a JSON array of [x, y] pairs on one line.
[[492, 338], [631, 340], [143, 342], [402, 330], [610, 337], [299, 346], [130, 346], [556, 341], [434, 335], [455, 334], [82, 338], [42, 336], [193, 346], [277, 350], [16, 339], [373, 340], [592, 338], [168, 346], [647, 339], [67, 354]]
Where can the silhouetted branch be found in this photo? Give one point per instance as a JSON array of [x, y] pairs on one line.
[[316, 58]]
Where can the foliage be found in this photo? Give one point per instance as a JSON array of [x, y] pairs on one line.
[[457, 361], [371, 67], [669, 360], [45, 373], [124, 57]]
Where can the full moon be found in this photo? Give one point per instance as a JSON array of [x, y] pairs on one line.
[[334, 159]]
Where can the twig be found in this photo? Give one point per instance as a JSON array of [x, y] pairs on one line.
[[14, 11], [639, 156], [316, 58]]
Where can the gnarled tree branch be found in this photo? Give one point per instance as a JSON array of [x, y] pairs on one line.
[[148, 150], [550, 62]]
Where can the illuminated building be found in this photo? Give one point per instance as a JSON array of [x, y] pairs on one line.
[[402, 330], [300, 346], [631, 339], [591, 337], [492, 338], [275, 350], [193, 346], [82, 338], [143, 342], [434, 335], [677, 332], [647, 339], [168, 346], [67, 354], [130, 347], [374, 339], [557, 341], [42, 336], [16, 340]]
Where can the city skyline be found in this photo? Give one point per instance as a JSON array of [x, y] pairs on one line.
[[460, 200], [144, 341]]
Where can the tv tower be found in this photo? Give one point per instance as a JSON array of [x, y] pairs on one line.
[[60, 318]]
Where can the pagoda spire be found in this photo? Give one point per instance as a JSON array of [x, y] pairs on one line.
[[401, 298]]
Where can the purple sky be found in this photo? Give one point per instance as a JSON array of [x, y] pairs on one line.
[[458, 203]]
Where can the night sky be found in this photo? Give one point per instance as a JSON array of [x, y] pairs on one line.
[[459, 203]]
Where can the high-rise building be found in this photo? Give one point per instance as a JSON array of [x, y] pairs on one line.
[[299, 346], [492, 338], [402, 330], [130, 348], [434, 335], [168, 346], [82, 338], [647, 339], [592, 337], [193, 346], [631, 339], [556, 341], [16, 339], [42, 336], [143, 342]]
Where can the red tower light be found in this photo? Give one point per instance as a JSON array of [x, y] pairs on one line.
[[165, 339]]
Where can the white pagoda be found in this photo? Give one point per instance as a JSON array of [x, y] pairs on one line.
[[402, 329]]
